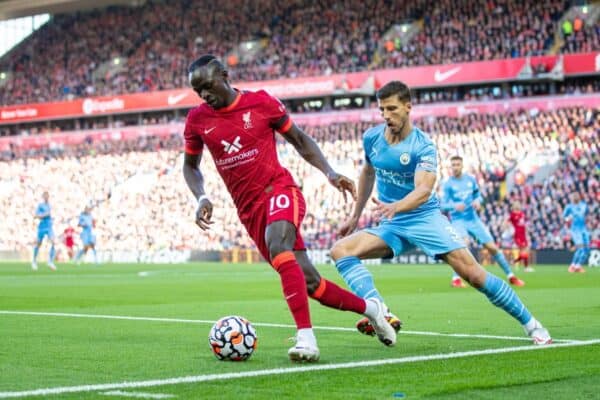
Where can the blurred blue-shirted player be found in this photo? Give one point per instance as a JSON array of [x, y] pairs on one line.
[[462, 200], [575, 212], [44, 214], [403, 161], [88, 239]]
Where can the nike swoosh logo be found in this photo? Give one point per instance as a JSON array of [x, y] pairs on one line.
[[442, 76], [290, 296], [207, 131], [172, 100]]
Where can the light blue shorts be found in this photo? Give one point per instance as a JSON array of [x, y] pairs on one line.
[[42, 233], [474, 228], [431, 231], [580, 238], [88, 238]]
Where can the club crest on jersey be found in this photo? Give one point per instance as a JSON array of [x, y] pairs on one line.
[[232, 147], [404, 158], [247, 118]]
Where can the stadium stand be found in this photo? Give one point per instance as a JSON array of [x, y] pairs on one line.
[[137, 49]]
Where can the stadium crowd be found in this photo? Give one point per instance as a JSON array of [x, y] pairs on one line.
[[141, 201], [137, 49]]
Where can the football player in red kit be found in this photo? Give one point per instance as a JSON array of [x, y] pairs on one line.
[[238, 129], [68, 234], [517, 219]]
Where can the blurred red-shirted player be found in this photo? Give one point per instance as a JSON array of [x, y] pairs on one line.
[[69, 241], [519, 223], [238, 128]]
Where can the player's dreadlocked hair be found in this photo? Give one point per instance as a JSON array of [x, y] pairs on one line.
[[394, 88]]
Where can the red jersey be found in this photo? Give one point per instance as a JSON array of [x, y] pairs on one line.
[[241, 140], [517, 219], [69, 232]]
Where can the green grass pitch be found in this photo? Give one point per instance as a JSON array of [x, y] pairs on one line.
[[51, 356]]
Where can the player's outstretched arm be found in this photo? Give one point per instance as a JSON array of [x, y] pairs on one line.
[[310, 151], [365, 188], [195, 181]]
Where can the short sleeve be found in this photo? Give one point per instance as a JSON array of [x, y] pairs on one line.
[[276, 113], [427, 159], [367, 144], [193, 141]]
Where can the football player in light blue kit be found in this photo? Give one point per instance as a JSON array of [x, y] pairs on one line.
[[576, 212], [403, 161], [462, 200], [43, 212], [88, 239]]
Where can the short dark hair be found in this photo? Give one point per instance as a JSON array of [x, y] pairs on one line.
[[457, 157], [394, 88], [201, 62]]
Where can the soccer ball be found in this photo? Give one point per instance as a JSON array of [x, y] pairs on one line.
[[232, 338]]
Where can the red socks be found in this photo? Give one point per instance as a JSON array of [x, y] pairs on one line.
[[331, 295], [294, 287], [524, 256]]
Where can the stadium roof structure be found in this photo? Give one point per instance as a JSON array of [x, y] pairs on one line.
[[18, 8]]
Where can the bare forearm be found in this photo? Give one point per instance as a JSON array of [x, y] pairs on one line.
[[310, 151], [365, 188], [414, 199], [194, 180]]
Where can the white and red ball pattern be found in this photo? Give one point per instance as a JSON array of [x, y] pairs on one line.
[[232, 338]]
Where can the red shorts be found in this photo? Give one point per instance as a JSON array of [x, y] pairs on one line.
[[281, 204], [521, 242], [69, 243]]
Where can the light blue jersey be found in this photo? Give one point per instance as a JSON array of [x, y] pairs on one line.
[[45, 224], [86, 222], [461, 190], [464, 190], [579, 232], [46, 221], [395, 168], [395, 165]]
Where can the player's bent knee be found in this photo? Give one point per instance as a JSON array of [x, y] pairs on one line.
[[339, 250]]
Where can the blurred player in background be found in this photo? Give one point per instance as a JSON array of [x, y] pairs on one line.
[[88, 239], [43, 213], [462, 200], [402, 159], [238, 129], [575, 213], [69, 240], [519, 223]]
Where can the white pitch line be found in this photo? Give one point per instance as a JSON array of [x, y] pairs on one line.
[[268, 325], [281, 371], [139, 395]]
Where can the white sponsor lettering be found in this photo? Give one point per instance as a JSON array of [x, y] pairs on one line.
[[91, 106], [303, 88], [19, 113], [237, 159], [164, 256], [440, 76]]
